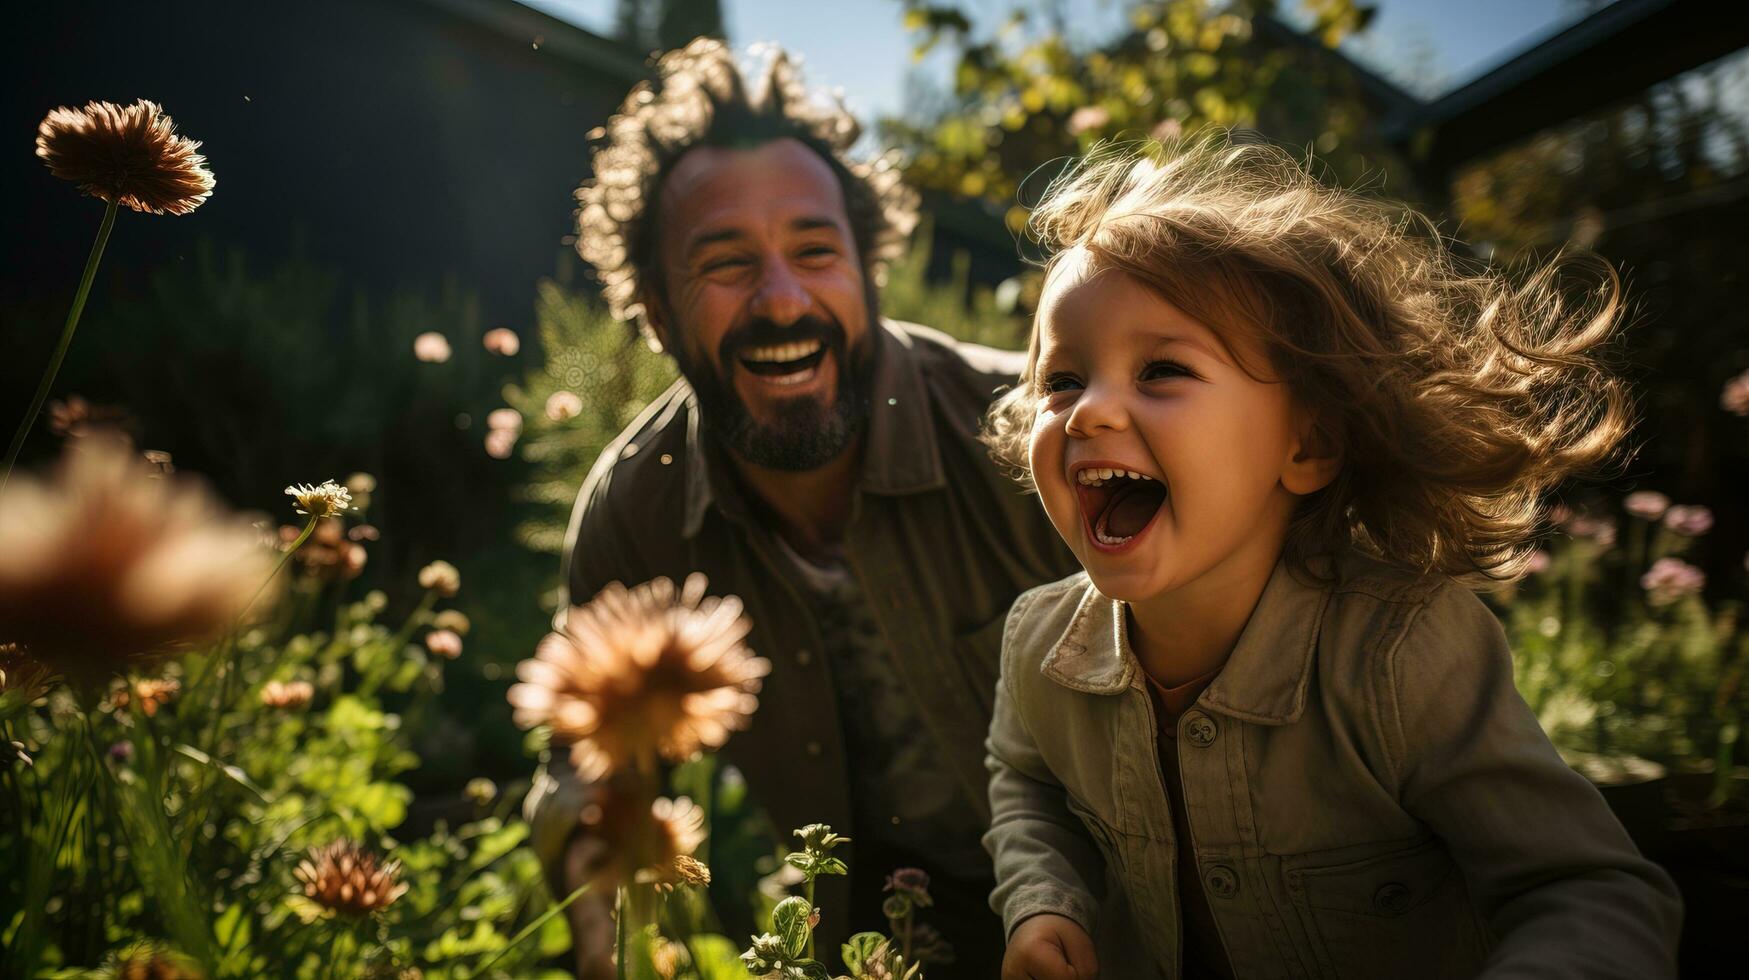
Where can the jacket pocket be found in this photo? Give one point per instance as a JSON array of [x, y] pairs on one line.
[[1403, 912]]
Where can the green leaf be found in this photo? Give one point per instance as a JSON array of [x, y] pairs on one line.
[[789, 921]]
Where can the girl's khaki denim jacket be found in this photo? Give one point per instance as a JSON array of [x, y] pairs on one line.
[[1367, 795]]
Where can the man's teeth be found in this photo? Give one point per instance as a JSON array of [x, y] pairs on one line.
[[780, 353], [1095, 476]]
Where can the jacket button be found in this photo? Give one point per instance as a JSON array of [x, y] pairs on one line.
[[1200, 729], [1221, 882], [1392, 898], [804, 657], [813, 748]]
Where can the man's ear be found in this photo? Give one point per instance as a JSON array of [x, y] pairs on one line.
[[1315, 460], [654, 325]]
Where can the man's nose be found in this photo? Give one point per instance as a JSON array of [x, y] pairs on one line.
[[779, 296], [1099, 408]]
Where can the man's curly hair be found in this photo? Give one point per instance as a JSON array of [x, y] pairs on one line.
[[699, 98], [1458, 398]]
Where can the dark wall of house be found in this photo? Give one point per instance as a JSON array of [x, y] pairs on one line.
[[393, 141]]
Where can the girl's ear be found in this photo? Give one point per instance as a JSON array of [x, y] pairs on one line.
[[1316, 458]]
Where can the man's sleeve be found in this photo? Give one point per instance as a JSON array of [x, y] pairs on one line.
[[1045, 862], [1564, 890]]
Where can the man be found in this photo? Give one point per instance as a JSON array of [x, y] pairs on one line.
[[821, 464]]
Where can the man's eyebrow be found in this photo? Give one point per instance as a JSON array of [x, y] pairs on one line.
[[811, 222]]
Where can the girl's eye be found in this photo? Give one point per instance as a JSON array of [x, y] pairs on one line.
[[1165, 369], [1060, 382]]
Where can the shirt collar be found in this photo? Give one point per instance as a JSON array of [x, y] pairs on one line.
[[1265, 679], [900, 455]]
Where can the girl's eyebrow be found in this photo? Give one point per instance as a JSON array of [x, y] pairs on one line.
[[1162, 341]]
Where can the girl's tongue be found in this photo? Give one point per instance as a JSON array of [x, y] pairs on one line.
[[1132, 507]]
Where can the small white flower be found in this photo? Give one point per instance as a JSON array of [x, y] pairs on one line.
[[329, 499]]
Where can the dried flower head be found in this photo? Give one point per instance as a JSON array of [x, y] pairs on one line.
[[441, 577], [502, 341], [348, 878], [431, 347], [643, 839], [107, 562], [689, 870], [154, 961], [1689, 520], [1671, 579], [129, 156], [330, 499], [1647, 505], [287, 695], [453, 620], [22, 678], [154, 693], [562, 405], [640, 672], [444, 643]]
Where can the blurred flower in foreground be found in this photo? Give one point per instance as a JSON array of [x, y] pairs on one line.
[[76, 416], [1594, 529], [444, 643], [328, 554], [481, 790], [1735, 396], [1689, 520], [108, 563], [441, 577], [154, 693], [453, 620], [287, 695], [502, 341], [130, 156], [348, 878], [500, 443], [562, 405], [154, 961], [431, 347], [361, 486], [1647, 505], [1670, 579], [330, 499], [655, 669], [644, 840], [1087, 119], [504, 418]]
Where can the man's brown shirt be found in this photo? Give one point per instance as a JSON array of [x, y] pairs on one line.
[[939, 543]]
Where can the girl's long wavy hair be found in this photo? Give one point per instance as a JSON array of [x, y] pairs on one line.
[[1458, 397]]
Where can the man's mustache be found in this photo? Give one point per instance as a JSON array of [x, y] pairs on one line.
[[764, 333]]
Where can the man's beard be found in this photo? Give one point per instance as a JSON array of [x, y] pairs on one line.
[[804, 434]]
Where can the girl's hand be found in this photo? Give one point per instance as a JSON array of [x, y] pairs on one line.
[[1049, 947]]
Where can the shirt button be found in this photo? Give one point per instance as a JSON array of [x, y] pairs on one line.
[[1392, 898], [813, 748], [1221, 882], [804, 657], [1200, 729]]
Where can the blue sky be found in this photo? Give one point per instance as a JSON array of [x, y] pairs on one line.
[[860, 47]]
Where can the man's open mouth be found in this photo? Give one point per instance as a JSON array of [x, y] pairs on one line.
[[1118, 504], [789, 363]]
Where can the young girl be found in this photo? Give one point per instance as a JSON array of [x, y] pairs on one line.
[[1270, 732]]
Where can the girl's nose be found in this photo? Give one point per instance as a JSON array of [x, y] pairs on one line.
[[779, 297], [1097, 410]]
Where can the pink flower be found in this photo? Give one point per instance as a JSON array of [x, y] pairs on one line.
[[1088, 118], [444, 643], [504, 418], [1539, 562], [1647, 505], [431, 347], [501, 442], [1592, 529], [1689, 520], [1670, 579], [1734, 398], [564, 405], [502, 341]]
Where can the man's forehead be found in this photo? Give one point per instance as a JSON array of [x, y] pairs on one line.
[[716, 186]]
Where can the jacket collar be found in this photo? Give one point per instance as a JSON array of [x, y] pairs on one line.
[[1265, 679], [900, 455]]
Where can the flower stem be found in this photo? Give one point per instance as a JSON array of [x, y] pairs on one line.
[[619, 942], [810, 891], [534, 927], [42, 389]]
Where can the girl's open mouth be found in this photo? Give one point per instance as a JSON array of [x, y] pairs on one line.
[[1118, 506]]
